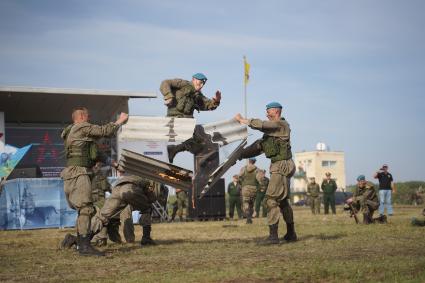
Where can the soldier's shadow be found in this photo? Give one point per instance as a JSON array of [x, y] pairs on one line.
[[323, 237], [126, 248]]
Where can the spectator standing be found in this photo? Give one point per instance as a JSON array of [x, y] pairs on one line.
[[386, 187]]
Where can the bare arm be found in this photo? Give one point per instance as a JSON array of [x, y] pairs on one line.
[[376, 175]]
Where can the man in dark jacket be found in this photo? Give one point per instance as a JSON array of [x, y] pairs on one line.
[[329, 187], [234, 192]]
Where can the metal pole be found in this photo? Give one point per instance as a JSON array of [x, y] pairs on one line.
[[244, 84]]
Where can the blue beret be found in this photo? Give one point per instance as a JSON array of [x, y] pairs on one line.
[[200, 77], [361, 178], [252, 159], [273, 105]]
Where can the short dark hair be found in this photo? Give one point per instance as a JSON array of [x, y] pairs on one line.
[[77, 110]]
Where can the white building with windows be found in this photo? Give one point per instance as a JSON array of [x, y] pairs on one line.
[[316, 164]]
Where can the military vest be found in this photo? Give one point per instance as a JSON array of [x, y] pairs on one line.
[[186, 102], [313, 189], [84, 154], [275, 148], [249, 178], [100, 185]]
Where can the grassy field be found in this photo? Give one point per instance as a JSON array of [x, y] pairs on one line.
[[330, 249]]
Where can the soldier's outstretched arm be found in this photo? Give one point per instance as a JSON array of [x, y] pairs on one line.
[[107, 130], [210, 104]]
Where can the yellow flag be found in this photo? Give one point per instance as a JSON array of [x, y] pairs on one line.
[[246, 67]]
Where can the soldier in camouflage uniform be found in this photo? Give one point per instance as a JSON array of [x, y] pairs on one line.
[[313, 193], [100, 186], [277, 147], [365, 199], [419, 221], [81, 155], [182, 98], [249, 178], [182, 202], [261, 193], [129, 190]]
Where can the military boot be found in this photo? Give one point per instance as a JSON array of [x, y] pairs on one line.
[[101, 242], [113, 231], [173, 150], [417, 222], [146, 238], [68, 242], [85, 248], [273, 237], [367, 219], [290, 235], [382, 219], [249, 216]]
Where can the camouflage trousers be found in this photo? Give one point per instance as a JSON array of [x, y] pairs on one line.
[[315, 205], [182, 203], [367, 207], [277, 193], [121, 197], [248, 199], [124, 220], [260, 202], [78, 193]]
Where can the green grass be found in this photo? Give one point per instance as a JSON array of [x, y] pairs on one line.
[[330, 249]]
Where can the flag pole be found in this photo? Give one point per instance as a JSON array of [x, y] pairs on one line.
[[244, 85]]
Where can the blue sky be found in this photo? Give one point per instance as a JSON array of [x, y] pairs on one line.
[[348, 73]]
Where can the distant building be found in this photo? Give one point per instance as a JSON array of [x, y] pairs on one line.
[[315, 164]]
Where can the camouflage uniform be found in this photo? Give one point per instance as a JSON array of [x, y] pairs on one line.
[[182, 202], [366, 201], [128, 190], [185, 100], [100, 186], [313, 192], [419, 221], [260, 197], [81, 154], [249, 180], [276, 146]]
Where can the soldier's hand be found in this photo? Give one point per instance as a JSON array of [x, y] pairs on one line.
[[239, 117], [217, 96], [168, 101], [122, 119]]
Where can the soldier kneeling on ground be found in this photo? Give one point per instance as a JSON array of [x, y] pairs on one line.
[[128, 190], [365, 200], [419, 221]]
